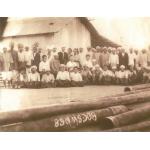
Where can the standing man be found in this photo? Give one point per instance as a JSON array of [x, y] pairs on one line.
[[21, 57], [63, 56], [143, 58], [14, 55], [123, 58], [36, 57], [131, 57], [113, 59], [148, 56]]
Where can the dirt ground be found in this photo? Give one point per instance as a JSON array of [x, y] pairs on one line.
[[14, 99]]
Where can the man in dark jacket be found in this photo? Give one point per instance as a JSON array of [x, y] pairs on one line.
[[63, 56], [123, 58], [14, 54], [36, 57]]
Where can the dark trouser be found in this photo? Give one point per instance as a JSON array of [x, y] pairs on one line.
[[21, 66], [122, 81], [145, 79], [87, 80], [132, 79], [62, 83], [77, 83], [33, 85], [47, 84], [106, 80]]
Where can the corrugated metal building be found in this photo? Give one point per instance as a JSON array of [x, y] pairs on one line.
[[58, 31]]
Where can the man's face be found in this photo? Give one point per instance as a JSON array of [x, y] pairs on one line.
[[26, 48], [123, 50], [75, 70], [122, 69], [33, 70], [54, 49], [131, 50], [55, 56], [63, 49], [105, 68], [87, 57], [11, 45], [62, 68], [4, 49], [44, 58], [81, 50]]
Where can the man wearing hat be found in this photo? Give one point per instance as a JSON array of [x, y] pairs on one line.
[[63, 77], [122, 76], [55, 65], [76, 78], [33, 78], [104, 58], [21, 57], [143, 58], [14, 54], [113, 59]]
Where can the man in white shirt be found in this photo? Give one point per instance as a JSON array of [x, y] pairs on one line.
[[106, 76], [48, 80], [44, 65], [33, 78], [63, 77], [113, 59], [76, 78], [28, 56], [81, 56], [71, 63], [131, 56], [122, 77], [88, 61], [143, 58]]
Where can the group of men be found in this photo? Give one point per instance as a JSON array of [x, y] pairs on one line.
[[34, 67]]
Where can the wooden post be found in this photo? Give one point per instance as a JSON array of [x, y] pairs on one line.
[[67, 121], [48, 111], [141, 126], [126, 118]]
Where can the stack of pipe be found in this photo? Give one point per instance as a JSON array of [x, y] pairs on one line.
[[112, 113]]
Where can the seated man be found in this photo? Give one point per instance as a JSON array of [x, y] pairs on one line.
[[139, 74], [132, 75], [15, 79], [71, 63], [33, 78], [146, 74], [44, 65], [113, 76], [122, 76], [76, 78], [96, 75], [106, 76], [88, 61], [86, 75], [63, 78], [47, 80], [23, 79]]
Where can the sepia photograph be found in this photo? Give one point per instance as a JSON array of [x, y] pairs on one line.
[[74, 74]]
